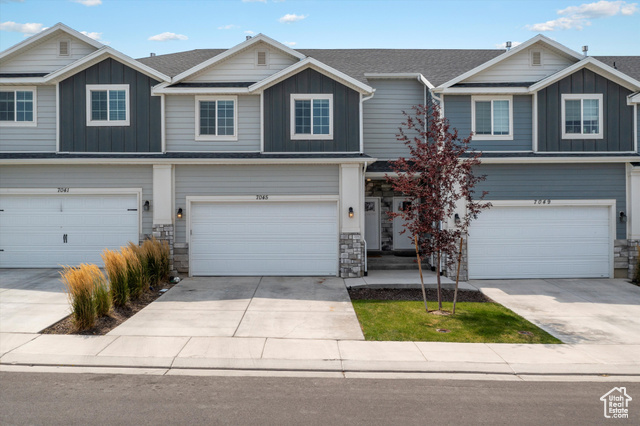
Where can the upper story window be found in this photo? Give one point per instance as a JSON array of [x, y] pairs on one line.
[[492, 117], [582, 116], [216, 118], [312, 116], [108, 105], [17, 106]]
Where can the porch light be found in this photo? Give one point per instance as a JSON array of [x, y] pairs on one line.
[[623, 217], [457, 218], [146, 206], [350, 211], [179, 215]]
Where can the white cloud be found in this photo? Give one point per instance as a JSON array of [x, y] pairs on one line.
[[290, 43], [228, 27], [249, 32], [578, 17], [504, 45], [168, 36], [291, 17], [88, 2], [93, 35], [29, 28]]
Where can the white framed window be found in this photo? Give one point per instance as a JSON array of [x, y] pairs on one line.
[[64, 47], [311, 116], [18, 106], [535, 59], [262, 58], [108, 105], [582, 116], [216, 118], [492, 117]]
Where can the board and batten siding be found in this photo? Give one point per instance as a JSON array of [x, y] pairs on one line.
[[242, 67], [518, 68], [556, 182], [277, 115], [143, 134], [83, 176], [43, 57], [180, 116], [457, 108], [198, 180], [617, 117], [382, 116], [41, 138]]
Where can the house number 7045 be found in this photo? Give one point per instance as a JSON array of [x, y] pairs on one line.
[[541, 201]]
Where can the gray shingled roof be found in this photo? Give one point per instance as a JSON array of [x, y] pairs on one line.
[[437, 65]]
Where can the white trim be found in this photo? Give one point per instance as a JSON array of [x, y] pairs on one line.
[[399, 76], [509, 53], [57, 117], [593, 65], [582, 96], [533, 52], [216, 137], [635, 98], [244, 45], [635, 128], [204, 161], [14, 123], [261, 122], [317, 66], [485, 91], [205, 91], [611, 203], [491, 137], [310, 97], [163, 124], [107, 88], [45, 34], [534, 122]]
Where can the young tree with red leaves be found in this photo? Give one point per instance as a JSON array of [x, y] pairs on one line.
[[437, 175]]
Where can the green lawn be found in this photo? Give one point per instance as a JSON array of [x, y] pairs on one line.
[[473, 323]]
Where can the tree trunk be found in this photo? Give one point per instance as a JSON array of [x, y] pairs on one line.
[[455, 293], [424, 293], [439, 286]]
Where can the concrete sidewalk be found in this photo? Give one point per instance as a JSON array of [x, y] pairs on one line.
[[320, 355]]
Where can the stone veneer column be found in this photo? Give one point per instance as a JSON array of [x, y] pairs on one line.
[[351, 228], [351, 255], [632, 248]]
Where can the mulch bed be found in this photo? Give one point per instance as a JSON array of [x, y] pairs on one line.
[[117, 316], [412, 294]]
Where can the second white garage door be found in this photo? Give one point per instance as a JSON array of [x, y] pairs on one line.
[[541, 242], [270, 238]]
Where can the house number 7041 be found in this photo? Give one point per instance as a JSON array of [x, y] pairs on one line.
[[63, 189], [262, 197], [541, 201]]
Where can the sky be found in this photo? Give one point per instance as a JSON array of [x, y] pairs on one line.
[[139, 27]]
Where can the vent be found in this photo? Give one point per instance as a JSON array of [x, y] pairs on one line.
[[63, 48], [262, 58], [536, 58]]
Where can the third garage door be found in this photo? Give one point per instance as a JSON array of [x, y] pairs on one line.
[[270, 238]]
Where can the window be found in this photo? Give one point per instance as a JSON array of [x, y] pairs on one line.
[[17, 106], [107, 105], [216, 118], [492, 117], [582, 116], [311, 116]]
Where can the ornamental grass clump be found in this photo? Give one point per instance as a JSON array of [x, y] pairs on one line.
[[135, 278], [116, 267], [156, 254], [101, 295], [142, 257], [79, 282], [636, 275]]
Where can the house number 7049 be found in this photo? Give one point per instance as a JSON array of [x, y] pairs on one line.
[[541, 201], [63, 189]]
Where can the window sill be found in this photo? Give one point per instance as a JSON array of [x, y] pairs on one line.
[[107, 123], [580, 137], [213, 138], [307, 137], [492, 138]]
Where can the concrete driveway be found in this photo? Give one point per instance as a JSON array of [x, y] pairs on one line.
[[31, 300], [277, 307], [595, 311]]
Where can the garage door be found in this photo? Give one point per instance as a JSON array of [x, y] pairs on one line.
[[541, 242], [274, 238], [46, 231]]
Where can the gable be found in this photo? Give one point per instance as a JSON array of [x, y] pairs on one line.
[[518, 68], [43, 57], [243, 67]]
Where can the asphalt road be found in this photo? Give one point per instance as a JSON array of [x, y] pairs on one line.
[[87, 399]]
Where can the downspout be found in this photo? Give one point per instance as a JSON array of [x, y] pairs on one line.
[[363, 181], [362, 100]]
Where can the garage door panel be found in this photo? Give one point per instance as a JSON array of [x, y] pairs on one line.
[[540, 242], [273, 238]]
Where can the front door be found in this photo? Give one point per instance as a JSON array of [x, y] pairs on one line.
[[401, 241], [372, 223]]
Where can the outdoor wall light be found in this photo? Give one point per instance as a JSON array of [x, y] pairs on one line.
[[350, 211], [623, 217], [457, 219], [146, 206], [179, 215]]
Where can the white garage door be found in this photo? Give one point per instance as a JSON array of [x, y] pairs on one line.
[[541, 242], [46, 231], [271, 238]]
